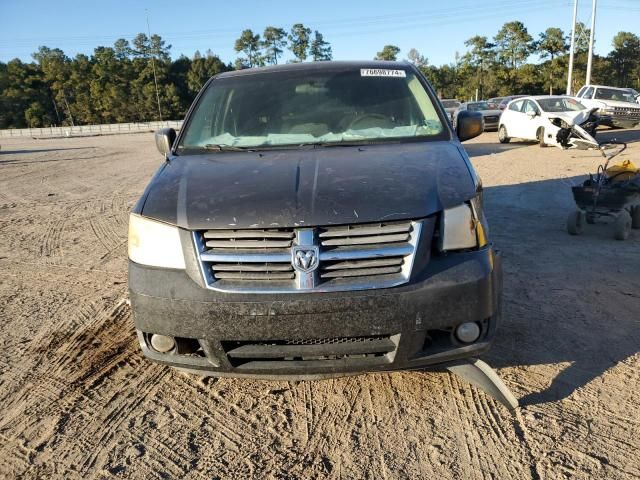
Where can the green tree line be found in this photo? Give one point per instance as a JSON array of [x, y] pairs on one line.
[[117, 83], [501, 65]]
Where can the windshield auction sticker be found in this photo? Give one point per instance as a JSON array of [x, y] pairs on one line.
[[381, 72]]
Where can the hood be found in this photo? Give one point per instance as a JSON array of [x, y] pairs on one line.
[[572, 118], [315, 186]]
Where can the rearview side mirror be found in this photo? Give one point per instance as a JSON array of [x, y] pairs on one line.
[[164, 140], [531, 113], [469, 125]]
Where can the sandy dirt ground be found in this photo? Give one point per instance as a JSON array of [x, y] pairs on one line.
[[78, 400]]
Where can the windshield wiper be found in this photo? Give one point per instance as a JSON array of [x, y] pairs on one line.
[[360, 143], [221, 147]]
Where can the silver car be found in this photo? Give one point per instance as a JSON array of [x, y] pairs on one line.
[[491, 115], [450, 106]]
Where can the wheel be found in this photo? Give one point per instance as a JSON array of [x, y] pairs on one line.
[[591, 218], [575, 222], [622, 226], [502, 134], [635, 217], [540, 137]]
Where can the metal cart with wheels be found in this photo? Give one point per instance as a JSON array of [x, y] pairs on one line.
[[602, 197]]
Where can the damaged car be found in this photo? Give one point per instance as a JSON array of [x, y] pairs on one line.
[[314, 220], [550, 120]]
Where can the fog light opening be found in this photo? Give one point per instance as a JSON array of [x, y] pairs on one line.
[[467, 332], [162, 343]]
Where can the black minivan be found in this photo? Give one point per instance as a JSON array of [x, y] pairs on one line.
[[314, 220]]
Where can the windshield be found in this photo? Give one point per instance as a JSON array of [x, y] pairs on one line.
[[311, 106], [477, 106], [450, 104], [614, 94], [563, 104]]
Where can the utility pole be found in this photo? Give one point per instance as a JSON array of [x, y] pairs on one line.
[[55, 107], [64, 97], [573, 46], [593, 31], [153, 66]]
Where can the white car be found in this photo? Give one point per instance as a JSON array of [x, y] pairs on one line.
[[547, 119], [618, 105]]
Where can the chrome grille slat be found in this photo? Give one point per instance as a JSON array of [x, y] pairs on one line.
[[248, 234], [252, 267], [365, 240], [255, 275], [247, 257], [350, 231], [348, 257], [394, 250], [232, 243], [383, 262], [361, 272]]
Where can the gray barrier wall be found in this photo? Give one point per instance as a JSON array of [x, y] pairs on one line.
[[79, 130]]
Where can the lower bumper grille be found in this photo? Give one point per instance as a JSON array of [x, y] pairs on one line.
[[250, 354]]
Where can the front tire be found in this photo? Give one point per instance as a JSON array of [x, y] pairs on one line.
[[622, 226], [540, 136], [502, 135], [635, 217], [575, 222]]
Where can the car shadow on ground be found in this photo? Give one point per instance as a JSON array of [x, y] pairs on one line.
[[488, 148], [39, 150], [627, 136], [571, 303]]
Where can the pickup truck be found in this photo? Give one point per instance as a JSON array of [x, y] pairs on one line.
[[617, 107], [312, 220]]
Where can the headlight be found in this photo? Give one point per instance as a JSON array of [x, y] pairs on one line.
[[154, 243], [461, 227]]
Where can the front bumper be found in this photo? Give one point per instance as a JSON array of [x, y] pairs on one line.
[[311, 335], [619, 120], [491, 124]]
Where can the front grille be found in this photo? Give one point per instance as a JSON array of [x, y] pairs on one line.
[[263, 353], [238, 243], [631, 112], [346, 257], [353, 238], [491, 119]]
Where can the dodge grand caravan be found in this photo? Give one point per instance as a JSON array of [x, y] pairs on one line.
[[314, 220]]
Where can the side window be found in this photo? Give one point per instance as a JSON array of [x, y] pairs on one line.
[[588, 93], [581, 91], [516, 106], [529, 106]]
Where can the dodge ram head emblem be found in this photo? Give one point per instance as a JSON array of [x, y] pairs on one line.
[[305, 259]]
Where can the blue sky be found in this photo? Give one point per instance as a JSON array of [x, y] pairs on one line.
[[356, 29]]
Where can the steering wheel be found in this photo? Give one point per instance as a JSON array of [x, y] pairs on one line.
[[368, 116]]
